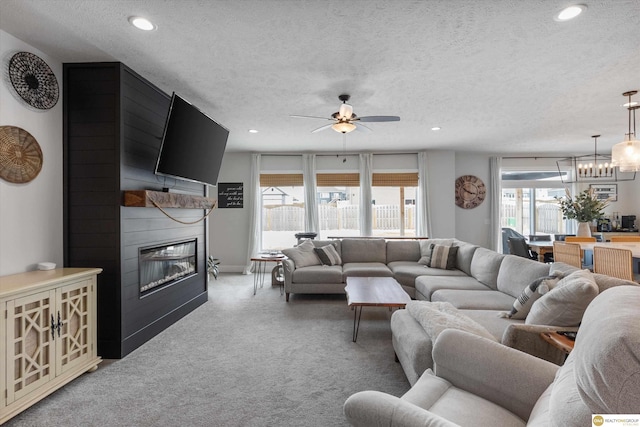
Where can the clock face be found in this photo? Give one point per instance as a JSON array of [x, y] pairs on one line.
[[470, 191]]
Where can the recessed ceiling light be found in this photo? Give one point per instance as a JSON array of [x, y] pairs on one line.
[[569, 12], [436, 128], [253, 131], [141, 23]]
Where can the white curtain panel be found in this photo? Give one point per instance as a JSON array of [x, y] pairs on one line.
[[254, 200], [366, 166], [423, 220], [495, 195], [311, 223]]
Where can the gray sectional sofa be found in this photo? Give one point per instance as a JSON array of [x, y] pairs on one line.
[[481, 284]]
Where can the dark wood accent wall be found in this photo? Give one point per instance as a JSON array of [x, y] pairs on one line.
[[113, 123]]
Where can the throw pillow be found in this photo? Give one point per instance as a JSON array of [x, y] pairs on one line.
[[564, 305], [425, 248], [328, 255], [537, 288], [443, 257], [303, 255]]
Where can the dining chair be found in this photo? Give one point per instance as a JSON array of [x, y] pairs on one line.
[[587, 259], [625, 239], [569, 253], [614, 262], [518, 246], [561, 237]]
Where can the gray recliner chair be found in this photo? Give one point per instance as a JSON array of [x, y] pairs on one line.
[[478, 382]]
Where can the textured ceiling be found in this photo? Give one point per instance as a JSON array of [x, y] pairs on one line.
[[496, 75]]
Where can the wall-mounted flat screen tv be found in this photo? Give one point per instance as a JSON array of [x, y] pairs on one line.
[[193, 144]]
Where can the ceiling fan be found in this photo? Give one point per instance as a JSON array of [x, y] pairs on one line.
[[344, 121]]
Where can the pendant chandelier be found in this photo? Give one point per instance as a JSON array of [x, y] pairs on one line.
[[590, 168], [626, 154]]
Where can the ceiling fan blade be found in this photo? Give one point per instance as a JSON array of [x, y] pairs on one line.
[[322, 128], [310, 117], [362, 128], [379, 119]]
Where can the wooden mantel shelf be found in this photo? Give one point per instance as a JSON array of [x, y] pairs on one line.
[[152, 199]]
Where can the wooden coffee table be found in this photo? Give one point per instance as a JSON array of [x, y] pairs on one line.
[[373, 292]]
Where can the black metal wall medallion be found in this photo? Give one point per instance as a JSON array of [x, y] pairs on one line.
[[33, 80]]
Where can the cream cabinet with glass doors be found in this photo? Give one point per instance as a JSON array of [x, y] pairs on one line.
[[49, 330]]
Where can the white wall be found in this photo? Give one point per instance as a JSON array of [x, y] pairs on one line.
[[31, 227], [472, 225], [229, 228]]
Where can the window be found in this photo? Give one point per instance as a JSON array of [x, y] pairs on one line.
[[394, 208], [338, 204], [528, 202], [282, 210]]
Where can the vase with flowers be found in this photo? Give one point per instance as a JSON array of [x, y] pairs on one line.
[[585, 208]]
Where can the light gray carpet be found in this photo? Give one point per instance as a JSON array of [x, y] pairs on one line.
[[238, 360]]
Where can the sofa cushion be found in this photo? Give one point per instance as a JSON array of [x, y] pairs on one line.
[[607, 352], [364, 250], [405, 272], [318, 274], [443, 257], [425, 248], [518, 272], [335, 243], [426, 285], [303, 255], [530, 294], [479, 300], [366, 269], [485, 266], [328, 255], [403, 250], [564, 305], [465, 255], [491, 321], [435, 317]]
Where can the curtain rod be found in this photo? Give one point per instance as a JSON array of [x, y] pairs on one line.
[[335, 154], [534, 157]]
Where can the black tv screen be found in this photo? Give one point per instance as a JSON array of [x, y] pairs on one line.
[[193, 144]]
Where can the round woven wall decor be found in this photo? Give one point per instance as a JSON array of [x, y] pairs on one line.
[[33, 80], [20, 155]]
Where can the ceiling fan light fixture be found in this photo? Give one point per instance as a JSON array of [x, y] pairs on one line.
[[343, 127], [346, 111]]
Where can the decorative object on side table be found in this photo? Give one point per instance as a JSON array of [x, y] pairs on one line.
[[20, 155], [585, 208], [33, 80]]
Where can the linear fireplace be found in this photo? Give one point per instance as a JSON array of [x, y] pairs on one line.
[[166, 265]]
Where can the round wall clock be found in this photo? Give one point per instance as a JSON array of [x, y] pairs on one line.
[[470, 191], [33, 80], [20, 155]]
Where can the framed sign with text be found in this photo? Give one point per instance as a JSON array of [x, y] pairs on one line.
[[605, 191], [230, 195]]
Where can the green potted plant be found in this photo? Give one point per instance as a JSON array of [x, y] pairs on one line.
[[585, 208], [213, 266]]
